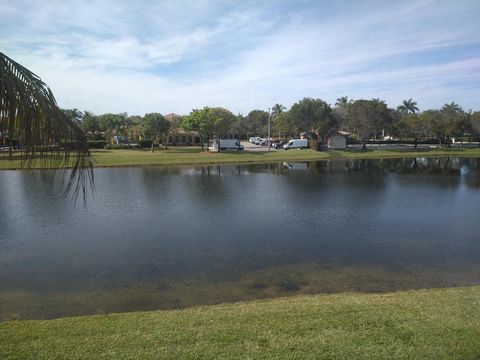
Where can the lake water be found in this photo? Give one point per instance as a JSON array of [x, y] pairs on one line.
[[170, 237]]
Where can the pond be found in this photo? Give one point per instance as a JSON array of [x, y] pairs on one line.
[[171, 237]]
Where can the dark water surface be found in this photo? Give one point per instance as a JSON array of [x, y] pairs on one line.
[[168, 237]]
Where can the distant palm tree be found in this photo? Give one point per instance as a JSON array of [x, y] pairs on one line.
[[29, 116], [278, 109], [408, 106], [75, 115], [343, 101], [452, 107]]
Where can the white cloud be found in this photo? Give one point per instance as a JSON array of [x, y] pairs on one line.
[[110, 57]]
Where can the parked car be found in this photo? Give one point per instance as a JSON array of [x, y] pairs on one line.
[[253, 139], [279, 144], [296, 144]]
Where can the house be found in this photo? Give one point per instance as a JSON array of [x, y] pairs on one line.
[[337, 140], [178, 136]]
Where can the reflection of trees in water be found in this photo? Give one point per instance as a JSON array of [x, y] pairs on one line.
[[157, 185], [207, 188], [363, 173], [39, 195], [447, 166], [472, 178]]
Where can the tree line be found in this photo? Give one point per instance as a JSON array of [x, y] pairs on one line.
[[363, 119]]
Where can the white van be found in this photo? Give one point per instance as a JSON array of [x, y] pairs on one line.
[[226, 144], [296, 144]]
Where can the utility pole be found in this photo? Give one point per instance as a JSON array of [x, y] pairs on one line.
[[268, 136]]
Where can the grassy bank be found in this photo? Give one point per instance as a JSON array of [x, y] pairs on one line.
[[193, 156], [425, 324]]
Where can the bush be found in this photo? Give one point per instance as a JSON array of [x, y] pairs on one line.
[[121, 146], [96, 144], [145, 144]]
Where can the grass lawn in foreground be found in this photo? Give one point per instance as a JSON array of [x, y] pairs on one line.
[[194, 156], [422, 324]]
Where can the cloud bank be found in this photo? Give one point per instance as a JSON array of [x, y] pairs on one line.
[[173, 56]]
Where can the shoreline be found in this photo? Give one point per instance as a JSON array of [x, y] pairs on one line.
[[187, 157], [420, 324]]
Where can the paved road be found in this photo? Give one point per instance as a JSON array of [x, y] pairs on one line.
[[251, 147]]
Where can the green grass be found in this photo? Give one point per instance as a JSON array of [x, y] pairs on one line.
[[423, 324], [193, 156]]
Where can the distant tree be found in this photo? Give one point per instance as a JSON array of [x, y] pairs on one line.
[[238, 127], [475, 124], [283, 125], [114, 124], [342, 105], [412, 125], [454, 120], [156, 126], [436, 124], [277, 110], [408, 106], [90, 123], [343, 101], [74, 115], [209, 122], [134, 120], [221, 120], [198, 121], [175, 124], [395, 119], [257, 122], [452, 108], [313, 116], [367, 117]]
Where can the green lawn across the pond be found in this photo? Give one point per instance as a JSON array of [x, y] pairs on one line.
[[194, 156], [421, 324]]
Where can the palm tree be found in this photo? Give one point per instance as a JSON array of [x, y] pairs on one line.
[[278, 109], [75, 115], [452, 108], [408, 106], [343, 101], [29, 114]]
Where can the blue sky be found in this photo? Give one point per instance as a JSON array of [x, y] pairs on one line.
[[173, 56]]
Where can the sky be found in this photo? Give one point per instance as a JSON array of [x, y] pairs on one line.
[[174, 56]]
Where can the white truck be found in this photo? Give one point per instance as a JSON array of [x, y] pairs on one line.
[[226, 144], [296, 144]]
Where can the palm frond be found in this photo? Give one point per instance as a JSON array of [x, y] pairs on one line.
[[30, 116]]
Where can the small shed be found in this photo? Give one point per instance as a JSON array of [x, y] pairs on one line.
[[337, 140]]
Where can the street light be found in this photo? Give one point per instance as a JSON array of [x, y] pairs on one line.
[[268, 132]]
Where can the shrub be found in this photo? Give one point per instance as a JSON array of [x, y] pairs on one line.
[[145, 144], [121, 146], [96, 144]]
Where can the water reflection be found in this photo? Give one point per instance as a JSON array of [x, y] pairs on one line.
[[176, 234]]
